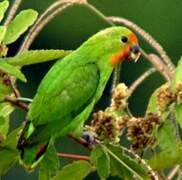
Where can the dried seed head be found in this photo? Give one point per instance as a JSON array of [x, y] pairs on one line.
[[140, 131], [165, 97], [119, 95], [107, 126]]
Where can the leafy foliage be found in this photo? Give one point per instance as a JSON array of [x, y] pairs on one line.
[[100, 158], [36, 56], [2, 32], [166, 136], [107, 157], [11, 70], [3, 7], [123, 166], [50, 164], [19, 25], [178, 109], [77, 170], [177, 78], [166, 159], [8, 151], [5, 111]]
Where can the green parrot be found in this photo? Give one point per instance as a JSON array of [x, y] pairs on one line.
[[67, 94]]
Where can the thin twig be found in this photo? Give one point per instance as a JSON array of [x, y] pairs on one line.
[[140, 79], [23, 99], [116, 77], [158, 64], [34, 31], [50, 13], [80, 141], [151, 172], [16, 103], [13, 86], [147, 37], [173, 172], [99, 13], [73, 156], [12, 11]]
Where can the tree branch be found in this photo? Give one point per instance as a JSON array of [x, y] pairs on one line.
[[73, 156], [173, 172], [158, 64], [50, 13], [80, 141], [12, 11], [140, 79], [16, 103]]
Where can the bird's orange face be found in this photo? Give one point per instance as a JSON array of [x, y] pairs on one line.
[[131, 50]]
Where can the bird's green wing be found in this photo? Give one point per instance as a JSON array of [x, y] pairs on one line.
[[61, 97]]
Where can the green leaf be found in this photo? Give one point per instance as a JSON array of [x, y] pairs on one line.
[[78, 170], [2, 32], [166, 159], [3, 7], [152, 104], [50, 164], [178, 109], [12, 138], [123, 166], [166, 136], [37, 56], [11, 70], [8, 158], [5, 111], [19, 25], [101, 160], [154, 107], [8, 152], [4, 89], [177, 78]]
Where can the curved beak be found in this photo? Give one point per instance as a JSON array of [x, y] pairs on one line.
[[135, 53]]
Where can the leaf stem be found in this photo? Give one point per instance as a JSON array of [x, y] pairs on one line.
[[152, 173], [80, 141], [121, 162], [23, 99], [16, 103], [73, 156]]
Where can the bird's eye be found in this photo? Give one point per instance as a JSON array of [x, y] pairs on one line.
[[124, 39]]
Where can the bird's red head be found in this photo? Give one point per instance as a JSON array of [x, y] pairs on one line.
[[130, 51]]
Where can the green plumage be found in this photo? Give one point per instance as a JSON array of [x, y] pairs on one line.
[[68, 93]]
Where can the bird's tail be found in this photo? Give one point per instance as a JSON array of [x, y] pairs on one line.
[[31, 152]]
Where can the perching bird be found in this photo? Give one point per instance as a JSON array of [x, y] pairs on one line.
[[67, 94]]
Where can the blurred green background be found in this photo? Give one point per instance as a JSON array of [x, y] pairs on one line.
[[161, 18]]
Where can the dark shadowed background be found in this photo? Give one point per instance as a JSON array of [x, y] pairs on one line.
[[161, 18]]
